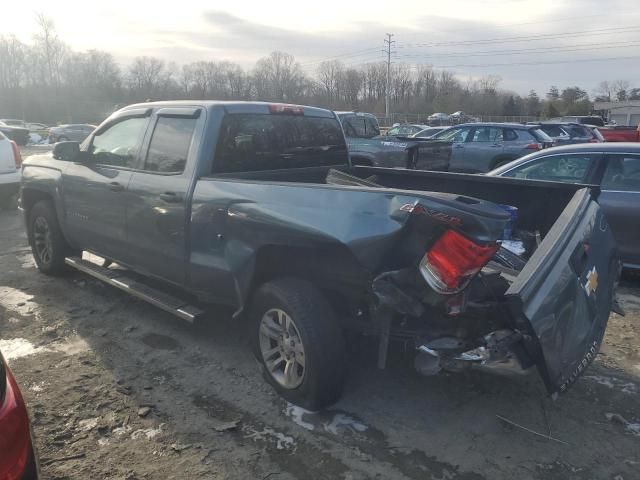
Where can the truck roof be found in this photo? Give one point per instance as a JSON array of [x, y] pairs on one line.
[[231, 106]]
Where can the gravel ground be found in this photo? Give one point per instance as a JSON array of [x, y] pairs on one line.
[[118, 389]]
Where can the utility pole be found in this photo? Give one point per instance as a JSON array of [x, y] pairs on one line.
[[388, 42]]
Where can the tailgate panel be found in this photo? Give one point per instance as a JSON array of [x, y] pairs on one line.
[[563, 295]]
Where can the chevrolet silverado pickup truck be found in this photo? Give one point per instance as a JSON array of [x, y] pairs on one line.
[[257, 206], [367, 147]]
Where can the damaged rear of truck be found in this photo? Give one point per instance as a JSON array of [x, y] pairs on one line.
[[421, 258], [262, 210]]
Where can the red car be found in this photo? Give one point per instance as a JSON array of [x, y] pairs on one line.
[[17, 456]]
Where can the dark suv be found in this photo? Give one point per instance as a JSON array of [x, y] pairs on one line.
[[566, 133], [480, 147]]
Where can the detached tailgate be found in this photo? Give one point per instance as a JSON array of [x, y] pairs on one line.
[[563, 296]]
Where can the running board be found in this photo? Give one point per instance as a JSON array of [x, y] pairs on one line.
[[119, 279]]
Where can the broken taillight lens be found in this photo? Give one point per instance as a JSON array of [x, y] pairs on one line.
[[453, 261]]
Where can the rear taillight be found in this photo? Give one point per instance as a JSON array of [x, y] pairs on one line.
[[16, 154], [453, 261], [280, 108], [534, 146]]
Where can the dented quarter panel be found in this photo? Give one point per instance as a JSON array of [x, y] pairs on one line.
[[231, 220]]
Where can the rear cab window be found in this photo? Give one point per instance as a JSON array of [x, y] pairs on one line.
[[254, 142]]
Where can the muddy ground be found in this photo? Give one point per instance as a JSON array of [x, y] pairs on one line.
[[118, 389]]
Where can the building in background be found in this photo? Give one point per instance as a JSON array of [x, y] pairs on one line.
[[623, 113]]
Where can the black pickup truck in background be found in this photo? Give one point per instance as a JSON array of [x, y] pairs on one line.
[[257, 206]]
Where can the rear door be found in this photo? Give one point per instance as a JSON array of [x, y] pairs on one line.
[[482, 147], [620, 200], [562, 298], [158, 195]]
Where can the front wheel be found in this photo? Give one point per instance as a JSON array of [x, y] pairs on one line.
[[47, 242], [298, 343]]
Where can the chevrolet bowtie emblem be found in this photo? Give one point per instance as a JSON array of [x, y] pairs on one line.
[[592, 281]]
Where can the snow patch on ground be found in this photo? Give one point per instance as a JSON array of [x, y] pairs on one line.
[[26, 260], [17, 301], [614, 383], [18, 348], [269, 435], [296, 414], [73, 345], [344, 420], [149, 433]]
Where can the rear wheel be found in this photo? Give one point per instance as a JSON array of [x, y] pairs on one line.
[[298, 343], [47, 242]]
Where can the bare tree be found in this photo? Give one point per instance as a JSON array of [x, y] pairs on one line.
[[51, 48]]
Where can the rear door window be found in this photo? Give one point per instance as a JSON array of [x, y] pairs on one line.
[[361, 126], [622, 173], [556, 168], [169, 145], [509, 135], [487, 134], [251, 142]]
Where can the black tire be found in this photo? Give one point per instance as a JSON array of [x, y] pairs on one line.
[[45, 234], [322, 340]]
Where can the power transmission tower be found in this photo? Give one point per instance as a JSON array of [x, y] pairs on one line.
[[388, 42]]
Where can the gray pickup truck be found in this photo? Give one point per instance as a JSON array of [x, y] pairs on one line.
[[256, 206], [368, 147]]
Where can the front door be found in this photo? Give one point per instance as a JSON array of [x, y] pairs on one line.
[[458, 137], [158, 193], [95, 190], [620, 200]]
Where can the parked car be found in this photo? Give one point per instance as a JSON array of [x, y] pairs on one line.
[[405, 130], [256, 206], [10, 162], [13, 122], [566, 133], [17, 134], [480, 147], [439, 119], [594, 120], [17, 457], [37, 127], [428, 132], [76, 132], [461, 117], [367, 147], [620, 133], [614, 167]]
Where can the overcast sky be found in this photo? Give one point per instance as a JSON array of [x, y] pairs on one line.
[[529, 43]]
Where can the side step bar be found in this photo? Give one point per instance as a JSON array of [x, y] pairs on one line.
[[119, 279]]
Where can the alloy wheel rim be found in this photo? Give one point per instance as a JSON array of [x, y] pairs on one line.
[[282, 349], [42, 240]]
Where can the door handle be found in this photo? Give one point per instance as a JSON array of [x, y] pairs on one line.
[[458, 146], [171, 197], [116, 187], [496, 145]]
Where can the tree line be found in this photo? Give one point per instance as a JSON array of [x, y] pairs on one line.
[[47, 81]]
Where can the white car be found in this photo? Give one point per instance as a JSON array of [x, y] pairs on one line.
[[10, 170]]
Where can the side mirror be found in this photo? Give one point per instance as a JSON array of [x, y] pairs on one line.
[[69, 151]]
